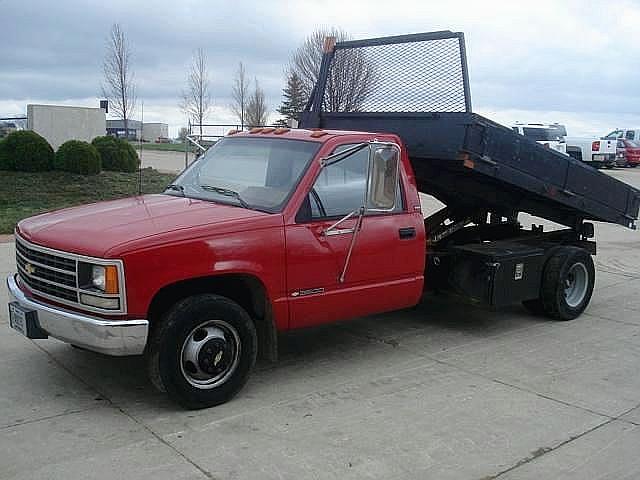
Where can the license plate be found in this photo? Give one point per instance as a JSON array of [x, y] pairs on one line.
[[18, 318], [598, 157], [25, 321]]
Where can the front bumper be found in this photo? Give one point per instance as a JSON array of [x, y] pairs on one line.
[[111, 337]]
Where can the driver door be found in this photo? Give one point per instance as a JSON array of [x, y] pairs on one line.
[[381, 273]]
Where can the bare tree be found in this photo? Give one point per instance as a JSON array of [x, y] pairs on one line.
[[240, 95], [196, 99], [119, 87], [352, 76], [257, 114]]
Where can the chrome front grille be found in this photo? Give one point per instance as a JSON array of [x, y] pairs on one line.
[[49, 274], [66, 278]]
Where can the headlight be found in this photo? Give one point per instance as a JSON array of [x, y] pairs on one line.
[[102, 277], [98, 277], [99, 285]]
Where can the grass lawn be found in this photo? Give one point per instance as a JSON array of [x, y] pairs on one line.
[[24, 194]]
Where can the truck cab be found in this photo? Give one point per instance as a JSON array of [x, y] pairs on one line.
[[547, 135], [623, 134]]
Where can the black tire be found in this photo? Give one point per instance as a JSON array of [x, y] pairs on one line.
[[233, 342], [566, 263]]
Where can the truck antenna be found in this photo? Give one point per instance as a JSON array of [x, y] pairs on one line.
[[140, 150]]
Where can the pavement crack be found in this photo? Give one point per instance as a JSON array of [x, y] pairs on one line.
[[132, 417], [618, 273], [49, 417], [600, 317], [540, 452], [517, 387], [543, 451]]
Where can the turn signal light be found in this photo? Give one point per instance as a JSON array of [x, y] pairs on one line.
[[255, 130], [318, 133], [268, 130], [111, 279], [280, 131]]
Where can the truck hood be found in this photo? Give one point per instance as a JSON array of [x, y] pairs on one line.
[[97, 228]]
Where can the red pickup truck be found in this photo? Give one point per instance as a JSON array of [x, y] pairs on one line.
[[217, 273], [276, 229]]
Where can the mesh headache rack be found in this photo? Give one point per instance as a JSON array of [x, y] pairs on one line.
[[417, 86]]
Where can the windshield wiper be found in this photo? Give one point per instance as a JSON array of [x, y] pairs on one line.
[[176, 187], [227, 192]]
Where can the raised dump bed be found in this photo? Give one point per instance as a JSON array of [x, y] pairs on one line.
[[463, 159]]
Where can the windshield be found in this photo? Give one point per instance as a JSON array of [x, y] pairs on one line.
[[554, 134], [633, 143], [613, 135], [257, 173]]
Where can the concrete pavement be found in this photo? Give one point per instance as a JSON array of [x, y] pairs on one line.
[[443, 391]]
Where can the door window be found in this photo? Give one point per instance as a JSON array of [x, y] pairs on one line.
[[340, 188], [631, 135]]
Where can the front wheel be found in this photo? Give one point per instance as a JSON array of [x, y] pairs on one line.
[[203, 351]]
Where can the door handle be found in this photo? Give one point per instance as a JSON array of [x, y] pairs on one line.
[[337, 231], [407, 232]]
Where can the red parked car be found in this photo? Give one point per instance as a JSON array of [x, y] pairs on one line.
[[628, 153]]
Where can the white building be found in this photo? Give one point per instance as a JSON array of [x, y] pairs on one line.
[[154, 130], [58, 123]]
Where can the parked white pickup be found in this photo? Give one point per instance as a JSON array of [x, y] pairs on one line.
[[549, 135], [594, 151], [624, 133]]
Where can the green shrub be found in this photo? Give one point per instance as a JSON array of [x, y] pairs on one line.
[[26, 151], [5, 158], [116, 154], [78, 157]]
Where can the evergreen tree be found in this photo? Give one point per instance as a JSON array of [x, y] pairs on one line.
[[294, 99]]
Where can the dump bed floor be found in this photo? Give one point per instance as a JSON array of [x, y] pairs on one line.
[[469, 162]]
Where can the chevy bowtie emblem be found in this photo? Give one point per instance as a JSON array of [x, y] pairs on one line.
[[30, 269]]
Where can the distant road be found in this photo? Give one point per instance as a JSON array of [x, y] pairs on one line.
[[169, 162]]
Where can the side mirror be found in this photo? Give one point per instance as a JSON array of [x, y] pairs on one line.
[[382, 185]]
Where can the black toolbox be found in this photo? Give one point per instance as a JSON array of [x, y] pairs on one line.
[[497, 273]]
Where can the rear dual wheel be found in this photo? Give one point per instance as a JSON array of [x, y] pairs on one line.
[[567, 284]]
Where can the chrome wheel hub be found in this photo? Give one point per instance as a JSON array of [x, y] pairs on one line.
[[210, 354], [575, 284]]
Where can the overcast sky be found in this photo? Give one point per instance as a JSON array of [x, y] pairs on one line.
[[573, 62]]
